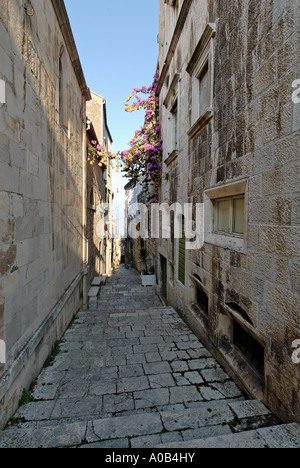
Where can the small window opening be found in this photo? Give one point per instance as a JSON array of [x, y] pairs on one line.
[[238, 309], [182, 253], [250, 348], [197, 277], [92, 197], [202, 300]]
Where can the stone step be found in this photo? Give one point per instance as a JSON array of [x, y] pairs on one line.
[[99, 281], [284, 436], [197, 425], [213, 413], [50, 436]]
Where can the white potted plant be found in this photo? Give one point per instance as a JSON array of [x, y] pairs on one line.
[[148, 277]]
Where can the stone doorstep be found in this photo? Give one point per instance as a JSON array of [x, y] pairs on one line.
[[99, 281], [93, 292], [93, 297]]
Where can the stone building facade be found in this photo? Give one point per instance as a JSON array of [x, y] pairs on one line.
[[231, 137], [42, 188], [100, 223]]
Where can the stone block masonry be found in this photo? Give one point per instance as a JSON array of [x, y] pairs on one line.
[[239, 288], [41, 190]]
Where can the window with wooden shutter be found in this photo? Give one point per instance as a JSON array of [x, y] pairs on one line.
[[182, 253], [229, 215]]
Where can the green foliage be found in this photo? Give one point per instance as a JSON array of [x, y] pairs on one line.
[[55, 351], [26, 398]]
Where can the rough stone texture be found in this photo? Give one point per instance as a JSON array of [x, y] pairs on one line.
[[41, 178], [93, 396], [99, 195], [253, 136]]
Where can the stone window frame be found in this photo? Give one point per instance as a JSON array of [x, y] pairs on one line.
[[171, 102], [231, 200], [228, 241], [202, 57]]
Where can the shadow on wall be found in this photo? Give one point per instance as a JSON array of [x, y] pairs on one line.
[[41, 179]]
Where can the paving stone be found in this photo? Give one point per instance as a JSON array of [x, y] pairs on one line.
[[208, 414], [126, 426], [131, 370], [209, 393], [62, 435], [103, 387], [228, 389], [36, 411], [75, 408], [179, 366], [46, 391], [214, 375], [151, 339], [132, 384], [194, 377], [184, 394], [108, 444], [161, 380], [153, 357], [248, 408], [206, 432], [286, 436], [136, 358], [146, 442], [157, 368], [241, 440], [150, 398], [73, 388], [180, 380], [118, 403]]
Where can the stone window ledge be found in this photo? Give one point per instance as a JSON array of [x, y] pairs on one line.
[[172, 156], [201, 122]]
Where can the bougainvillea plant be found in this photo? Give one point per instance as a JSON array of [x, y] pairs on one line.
[[97, 153], [142, 162]]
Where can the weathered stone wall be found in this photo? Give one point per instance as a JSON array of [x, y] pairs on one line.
[[41, 189], [100, 182], [253, 137]]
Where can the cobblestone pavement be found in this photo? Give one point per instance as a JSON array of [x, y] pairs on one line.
[[132, 375]]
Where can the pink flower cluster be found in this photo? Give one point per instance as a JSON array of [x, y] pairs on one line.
[[143, 161]]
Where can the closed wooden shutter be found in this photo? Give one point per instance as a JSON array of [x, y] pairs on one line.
[[181, 254]]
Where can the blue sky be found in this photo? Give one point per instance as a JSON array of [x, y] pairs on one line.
[[118, 50]]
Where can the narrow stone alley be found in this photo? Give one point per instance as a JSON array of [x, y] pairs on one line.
[[132, 375]]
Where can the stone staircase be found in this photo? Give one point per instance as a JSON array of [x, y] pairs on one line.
[[94, 291], [131, 375], [215, 424]]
